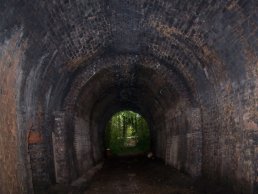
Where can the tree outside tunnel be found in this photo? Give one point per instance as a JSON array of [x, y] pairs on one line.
[[127, 132]]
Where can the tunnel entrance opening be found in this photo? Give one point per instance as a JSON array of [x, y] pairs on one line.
[[127, 133]]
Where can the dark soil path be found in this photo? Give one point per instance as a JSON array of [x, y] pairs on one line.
[[139, 176]]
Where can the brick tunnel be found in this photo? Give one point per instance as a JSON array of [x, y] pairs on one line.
[[189, 67]]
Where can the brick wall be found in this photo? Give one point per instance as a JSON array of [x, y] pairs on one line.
[[12, 177]]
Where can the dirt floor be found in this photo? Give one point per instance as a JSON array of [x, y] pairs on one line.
[[139, 175]]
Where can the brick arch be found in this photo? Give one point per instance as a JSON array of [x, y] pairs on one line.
[[102, 75], [211, 45]]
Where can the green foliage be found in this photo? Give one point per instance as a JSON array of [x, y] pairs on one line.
[[127, 132]]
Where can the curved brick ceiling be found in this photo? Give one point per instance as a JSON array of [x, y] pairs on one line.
[[197, 38], [192, 37]]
